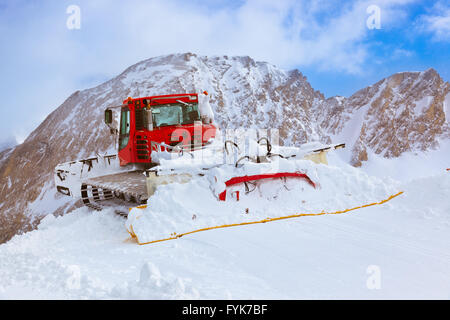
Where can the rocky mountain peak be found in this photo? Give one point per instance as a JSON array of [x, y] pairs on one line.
[[403, 112]]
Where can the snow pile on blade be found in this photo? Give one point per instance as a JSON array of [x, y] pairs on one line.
[[180, 208], [236, 151]]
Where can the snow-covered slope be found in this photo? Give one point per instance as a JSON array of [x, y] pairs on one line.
[[397, 250]]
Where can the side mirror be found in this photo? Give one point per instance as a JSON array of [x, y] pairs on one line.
[[108, 116]]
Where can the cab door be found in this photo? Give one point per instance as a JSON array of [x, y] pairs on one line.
[[125, 152]]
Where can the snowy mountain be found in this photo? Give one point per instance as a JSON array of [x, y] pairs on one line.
[[406, 111]]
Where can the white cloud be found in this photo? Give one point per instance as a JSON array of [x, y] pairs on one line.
[[324, 34], [437, 22], [400, 53]]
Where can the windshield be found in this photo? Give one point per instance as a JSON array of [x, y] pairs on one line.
[[173, 114]]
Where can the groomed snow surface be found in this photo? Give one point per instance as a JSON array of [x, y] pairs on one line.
[[397, 250]]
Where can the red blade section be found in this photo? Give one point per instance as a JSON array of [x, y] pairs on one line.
[[242, 179]]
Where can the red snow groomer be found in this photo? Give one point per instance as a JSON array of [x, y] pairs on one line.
[[179, 125], [164, 121], [173, 123]]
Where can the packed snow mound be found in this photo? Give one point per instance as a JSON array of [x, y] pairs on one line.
[[434, 204], [179, 208]]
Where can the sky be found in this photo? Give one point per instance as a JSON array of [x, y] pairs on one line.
[[52, 48]]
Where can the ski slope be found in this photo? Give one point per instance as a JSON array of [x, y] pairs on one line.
[[397, 250]]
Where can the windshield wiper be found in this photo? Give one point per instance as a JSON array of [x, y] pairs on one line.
[[166, 124], [186, 104]]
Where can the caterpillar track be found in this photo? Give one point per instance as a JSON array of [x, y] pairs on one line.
[[120, 191]]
